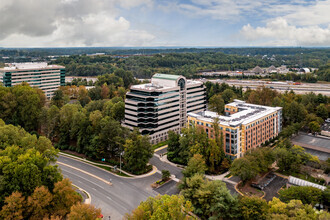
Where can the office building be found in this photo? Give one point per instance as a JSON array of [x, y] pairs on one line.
[[244, 126], [46, 77], [162, 105]]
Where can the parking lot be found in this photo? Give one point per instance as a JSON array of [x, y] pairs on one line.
[[272, 189], [312, 142]]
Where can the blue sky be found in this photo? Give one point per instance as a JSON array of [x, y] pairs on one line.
[[164, 23]]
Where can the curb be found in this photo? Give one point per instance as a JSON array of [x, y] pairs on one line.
[[165, 160], [153, 171], [89, 199]]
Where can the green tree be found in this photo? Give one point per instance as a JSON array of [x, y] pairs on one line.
[[29, 105], [118, 111], [58, 98], [138, 152], [228, 95], [196, 165], [253, 208], [211, 199], [244, 168], [162, 208], [314, 126], [322, 111], [295, 209], [306, 194], [165, 175], [217, 104]]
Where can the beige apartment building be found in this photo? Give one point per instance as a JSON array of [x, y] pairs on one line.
[[46, 77], [244, 126], [163, 105]]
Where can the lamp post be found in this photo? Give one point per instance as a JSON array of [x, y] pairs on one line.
[[121, 154]]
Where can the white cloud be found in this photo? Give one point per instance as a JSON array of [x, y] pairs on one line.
[[69, 23], [279, 32]]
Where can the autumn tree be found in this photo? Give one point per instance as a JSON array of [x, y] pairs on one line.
[[83, 211]]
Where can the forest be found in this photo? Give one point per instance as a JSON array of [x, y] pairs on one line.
[[88, 122]]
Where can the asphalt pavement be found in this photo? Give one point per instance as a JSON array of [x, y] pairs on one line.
[[116, 200]]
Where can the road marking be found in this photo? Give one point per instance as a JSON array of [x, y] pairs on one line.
[[94, 188], [75, 174], [96, 177], [161, 148], [109, 198]]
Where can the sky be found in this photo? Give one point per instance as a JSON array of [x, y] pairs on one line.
[[152, 23]]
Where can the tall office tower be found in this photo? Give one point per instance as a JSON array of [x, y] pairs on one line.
[[162, 105], [244, 126], [46, 77]]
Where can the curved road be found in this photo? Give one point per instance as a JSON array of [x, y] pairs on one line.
[[123, 195]]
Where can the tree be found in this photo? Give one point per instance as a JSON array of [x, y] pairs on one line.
[[253, 208], [217, 104], [162, 208], [105, 91], [210, 199], [295, 209], [95, 93], [228, 95], [138, 151], [165, 175], [322, 111], [314, 127], [306, 194], [83, 211], [58, 98], [64, 197], [118, 111], [244, 168], [29, 104], [38, 204], [14, 207], [83, 97], [196, 165]]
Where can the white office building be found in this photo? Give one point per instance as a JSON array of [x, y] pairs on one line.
[[162, 105]]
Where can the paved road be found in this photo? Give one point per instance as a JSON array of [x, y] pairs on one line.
[[116, 200]]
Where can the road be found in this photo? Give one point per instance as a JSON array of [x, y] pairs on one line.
[[125, 194], [116, 200], [323, 88]]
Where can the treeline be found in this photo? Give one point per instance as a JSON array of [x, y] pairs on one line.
[[187, 64], [32, 187], [212, 200]]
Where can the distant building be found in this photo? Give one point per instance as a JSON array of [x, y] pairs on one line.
[[46, 77], [162, 105], [304, 70], [244, 127]]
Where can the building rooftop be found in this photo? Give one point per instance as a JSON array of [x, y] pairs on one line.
[[165, 76], [31, 65], [247, 114]]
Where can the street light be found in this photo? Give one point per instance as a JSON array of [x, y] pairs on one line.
[[121, 154]]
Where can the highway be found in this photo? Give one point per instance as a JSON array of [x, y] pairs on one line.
[[115, 200], [323, 88]]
